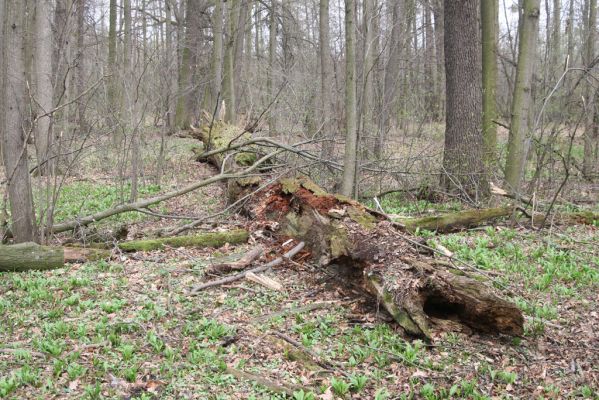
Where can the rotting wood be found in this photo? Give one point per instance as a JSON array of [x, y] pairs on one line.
[[31, 256], [413, 289], [221, 135], [457, 221]]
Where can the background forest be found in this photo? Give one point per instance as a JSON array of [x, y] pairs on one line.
[[470, 126]]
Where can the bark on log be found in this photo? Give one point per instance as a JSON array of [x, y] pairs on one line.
[[211, 239], [413, 289], [31, 256], [221, 135], [457, 221]]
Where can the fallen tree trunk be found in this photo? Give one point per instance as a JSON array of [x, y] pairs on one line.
[[211, 239], [220, 135], [415, 290], [457, 221], [453, 222], [31, 256]]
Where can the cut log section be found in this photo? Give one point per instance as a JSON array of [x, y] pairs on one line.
[[413, 289], [31, 256]]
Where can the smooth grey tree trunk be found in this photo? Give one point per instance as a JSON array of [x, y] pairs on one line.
[[270, 78], [489, 22], [590, 138], [348, 182], [217, 55], [522, 100], [326, 77], [44, 93], [14, 146]]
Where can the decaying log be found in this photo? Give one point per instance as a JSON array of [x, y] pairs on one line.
[[413, 289], [457, 221], [31, 256], [220, 135], [210, 239]]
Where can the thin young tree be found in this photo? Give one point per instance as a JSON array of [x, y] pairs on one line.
[[350, 159], [44, 93], [522, 98], [463, 168], [326, 74], [489, 24], [590, 138]]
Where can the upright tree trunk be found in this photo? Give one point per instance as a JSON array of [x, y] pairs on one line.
[[590, 158], [239, 68], [430, 78], [489, 22], [217, 54], [390, 82], [229, 61], [79, 77], [272, 58], [326, 76], [522, 101], [556, 45], [348, 183], [439, 55], [14, 145], [112, 80], [463, 168], [171, 65], [368, 59], [44, 88]]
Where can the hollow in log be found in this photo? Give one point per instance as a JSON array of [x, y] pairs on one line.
[[413, 289]]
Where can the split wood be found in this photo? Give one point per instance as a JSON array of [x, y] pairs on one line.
[[277, 261]]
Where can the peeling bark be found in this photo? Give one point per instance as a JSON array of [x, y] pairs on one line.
[[415, 290]]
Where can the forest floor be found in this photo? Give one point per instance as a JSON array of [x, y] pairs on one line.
[[129, 329]]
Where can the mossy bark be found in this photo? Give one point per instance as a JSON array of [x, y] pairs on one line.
[[415, 290], [215, 239], [452, 222], [221, 135], [31, 256]]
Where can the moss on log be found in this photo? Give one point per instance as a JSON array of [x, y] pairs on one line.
[[457, 221], [31, 256], [222, 135], [415, 290], [214, 239]]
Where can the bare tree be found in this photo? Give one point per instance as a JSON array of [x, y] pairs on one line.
[[350, 159], [590, 133], [44, 93], [14, 146], [464, 171], [489, 22], [522, 101]]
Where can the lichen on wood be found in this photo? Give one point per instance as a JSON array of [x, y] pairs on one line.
[[212, 239]]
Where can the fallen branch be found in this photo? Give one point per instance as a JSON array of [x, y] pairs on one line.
[[277, 261], [242, 263], [84, 221]]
